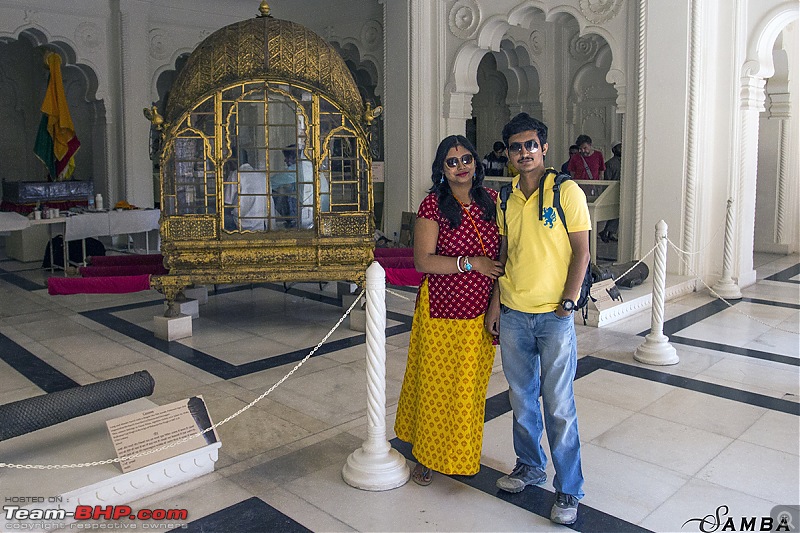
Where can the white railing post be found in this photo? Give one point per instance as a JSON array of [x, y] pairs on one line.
[[376, 465], [656, 349], [726, 287]]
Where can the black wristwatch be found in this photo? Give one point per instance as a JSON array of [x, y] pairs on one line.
[[568, 304]]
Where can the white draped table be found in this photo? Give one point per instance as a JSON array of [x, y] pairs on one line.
[[85, 225]]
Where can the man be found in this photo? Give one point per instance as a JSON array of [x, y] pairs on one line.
[[531, 311], [494, 163], [573, 149], [284, 189], [613, 168], [588, 163]]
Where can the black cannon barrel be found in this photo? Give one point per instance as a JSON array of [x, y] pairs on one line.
[[25, 416]]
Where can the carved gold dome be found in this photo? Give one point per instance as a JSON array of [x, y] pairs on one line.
[[263, 48]]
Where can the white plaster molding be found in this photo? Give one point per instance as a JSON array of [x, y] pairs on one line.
[[90, 35], [617, 78], [600, 11], [584, 47], [372, 35], [464, 18], [751, 94], [526, 14], [465, 68], [159, 45], [491, 33], [760, 44], [458, 105], [780, 105], [537, 40]]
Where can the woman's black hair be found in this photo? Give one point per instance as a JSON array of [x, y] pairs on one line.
[[448, 204]]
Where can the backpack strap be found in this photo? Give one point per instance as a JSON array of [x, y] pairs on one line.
[[560, 178], [505, 193], [555, 191]]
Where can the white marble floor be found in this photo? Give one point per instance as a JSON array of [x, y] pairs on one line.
[[663, 447]]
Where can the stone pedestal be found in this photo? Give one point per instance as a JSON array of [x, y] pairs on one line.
[[174, 328], [197, 293], [358, 316], [189, 307]]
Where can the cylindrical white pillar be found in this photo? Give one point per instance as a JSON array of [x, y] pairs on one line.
[[656, 349], [376, 465], [726, 287]]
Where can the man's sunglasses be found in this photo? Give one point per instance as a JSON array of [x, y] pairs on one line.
[[530, 146], [452, 162]]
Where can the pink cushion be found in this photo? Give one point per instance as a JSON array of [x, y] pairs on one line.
[[98, 285]]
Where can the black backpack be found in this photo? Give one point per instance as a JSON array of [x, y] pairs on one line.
[[505, 193]]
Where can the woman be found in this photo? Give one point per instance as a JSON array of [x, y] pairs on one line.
[[450, 355]]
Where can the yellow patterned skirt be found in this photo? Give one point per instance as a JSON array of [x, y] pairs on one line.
[[443, 398]]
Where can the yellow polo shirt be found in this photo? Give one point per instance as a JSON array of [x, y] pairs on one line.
[[539, 251]]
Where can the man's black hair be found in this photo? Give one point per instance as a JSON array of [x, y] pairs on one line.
[[525, 122], [498, 145], [583, 138]]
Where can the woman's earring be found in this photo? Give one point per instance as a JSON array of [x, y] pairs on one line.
[[441, 180]]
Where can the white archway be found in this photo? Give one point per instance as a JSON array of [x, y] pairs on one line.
[[757, 66]]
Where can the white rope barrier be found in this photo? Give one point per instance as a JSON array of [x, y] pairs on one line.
[[715, 294], [218, 424]]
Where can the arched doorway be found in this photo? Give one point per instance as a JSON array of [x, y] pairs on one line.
[[776, 220], [23, 82]]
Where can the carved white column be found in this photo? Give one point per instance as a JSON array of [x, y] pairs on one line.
[[751, 104], [641, 64], [376, 465], [656, 349], [690, 185], [781, 111], [726, 287]]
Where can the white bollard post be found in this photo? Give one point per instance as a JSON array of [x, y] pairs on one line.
[[656, 349], [376, 465], [726, 287]]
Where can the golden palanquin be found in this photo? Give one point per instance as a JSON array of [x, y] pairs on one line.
[[265, 166]]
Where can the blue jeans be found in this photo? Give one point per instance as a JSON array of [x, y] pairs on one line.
[[534, 345]]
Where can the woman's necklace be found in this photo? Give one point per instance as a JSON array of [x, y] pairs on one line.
[[466, 210]]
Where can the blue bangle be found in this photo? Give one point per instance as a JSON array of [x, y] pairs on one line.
[[467, 265]]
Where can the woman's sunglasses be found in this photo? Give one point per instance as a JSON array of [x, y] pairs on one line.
[[452, 162], [530, 146]]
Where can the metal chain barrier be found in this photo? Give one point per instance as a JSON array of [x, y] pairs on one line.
[[211, 428], [393, 293], [712, 291]]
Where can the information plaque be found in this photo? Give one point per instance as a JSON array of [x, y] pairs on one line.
[[159, 427]]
